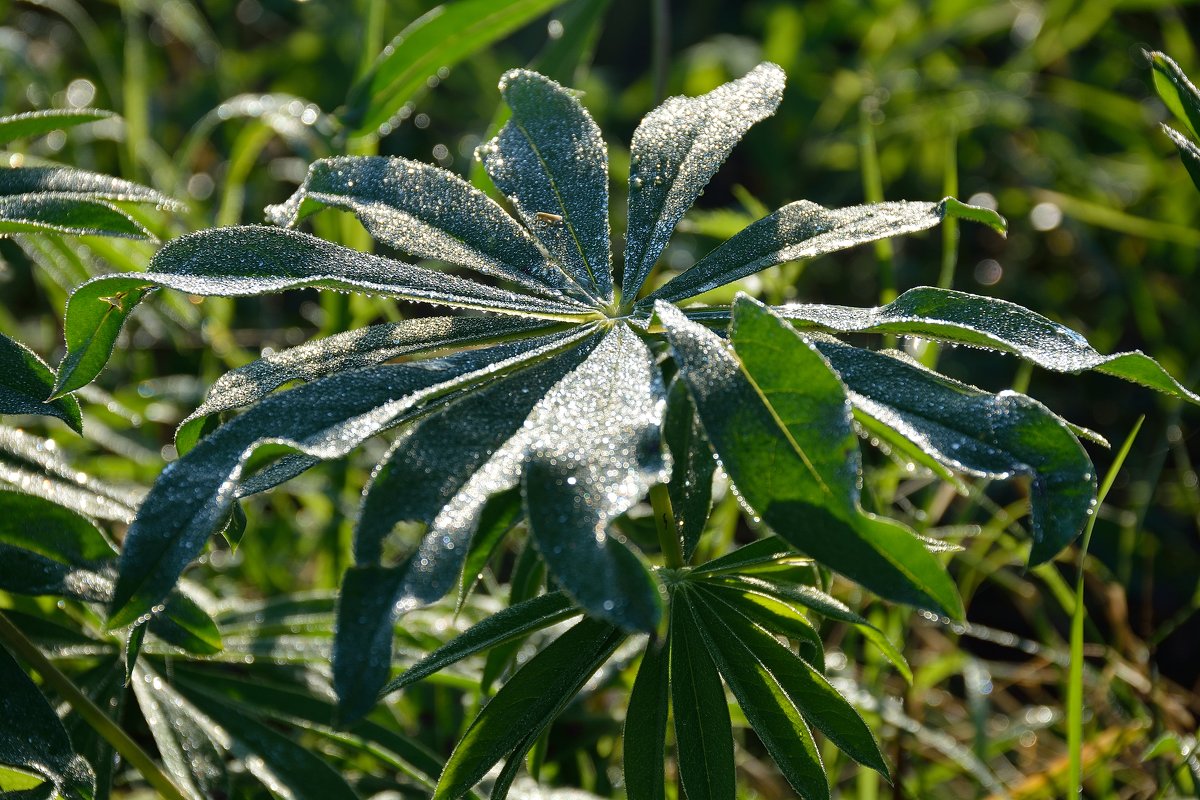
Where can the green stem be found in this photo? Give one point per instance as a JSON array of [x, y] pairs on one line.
[[28, 652], [664, 522], [661, 26]]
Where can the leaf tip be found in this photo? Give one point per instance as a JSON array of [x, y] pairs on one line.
[[953, 207]]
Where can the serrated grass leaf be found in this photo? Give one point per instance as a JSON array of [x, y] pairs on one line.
[[676, 150], [550, 161], [527, 703], [804, 230]]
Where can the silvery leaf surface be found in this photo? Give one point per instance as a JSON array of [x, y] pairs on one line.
[[25, 383], [427, 212], [67, 214], [987, 435], [36, 123], [355, 349], [676, 150], [78, 183], [804, 230], [254, 260], [325, 419], [551, 162], [961, 318], [778, 417]]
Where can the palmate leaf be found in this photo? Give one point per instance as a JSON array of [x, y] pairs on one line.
[[32, 737], [550, 161], [260, 260], [978, 433], [803, 230], [779, 419], [960, 318], [676, 150], [25, 383]]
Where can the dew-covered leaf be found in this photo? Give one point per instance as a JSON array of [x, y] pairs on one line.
[[325, 419], [48, 549], [779, 419], [440, 39], [513, 622], [703, 732], [804, 230], [692, 467], [676, 150], [961, 318], [254, 260], [32, 737], [427, 212], [527, 703], [36, 123], [1189, 153], [280, 763], [363, 347], [502, 513], [74, 216], [551, 162], [769, 709], [774, 615], [186, 740], [1179, 93], [183, 623], [645, 733], [594, 450], [988, 435], [25, 383], [77, 184]]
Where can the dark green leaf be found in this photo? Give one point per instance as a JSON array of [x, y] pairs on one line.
[[703, 732], [989, 435], [254, 260], [692, 467], [763, 700], [273, 758], [324, 419], [187, 742], [26, 382], [804, 230], [48, 549], [185, 624], [961, 318], [427, 212], [500, 515], [785, 440], [645, 732], [676, 150], [35, 123], [513, 622], [32, 737], [362, 347], [817, 700], [441, 38], [527, 703], [550, 161], [763, 551], [772, 614], [1189, 153]]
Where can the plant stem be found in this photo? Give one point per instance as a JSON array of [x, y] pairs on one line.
[[661, 25], [28, 652], [664, 522]]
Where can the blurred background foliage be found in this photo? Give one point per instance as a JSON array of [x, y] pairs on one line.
[[1043, 109]]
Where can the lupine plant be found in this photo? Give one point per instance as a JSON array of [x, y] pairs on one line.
[[568, 393]]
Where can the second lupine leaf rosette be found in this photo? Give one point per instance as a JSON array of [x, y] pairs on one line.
[[568, 394]]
